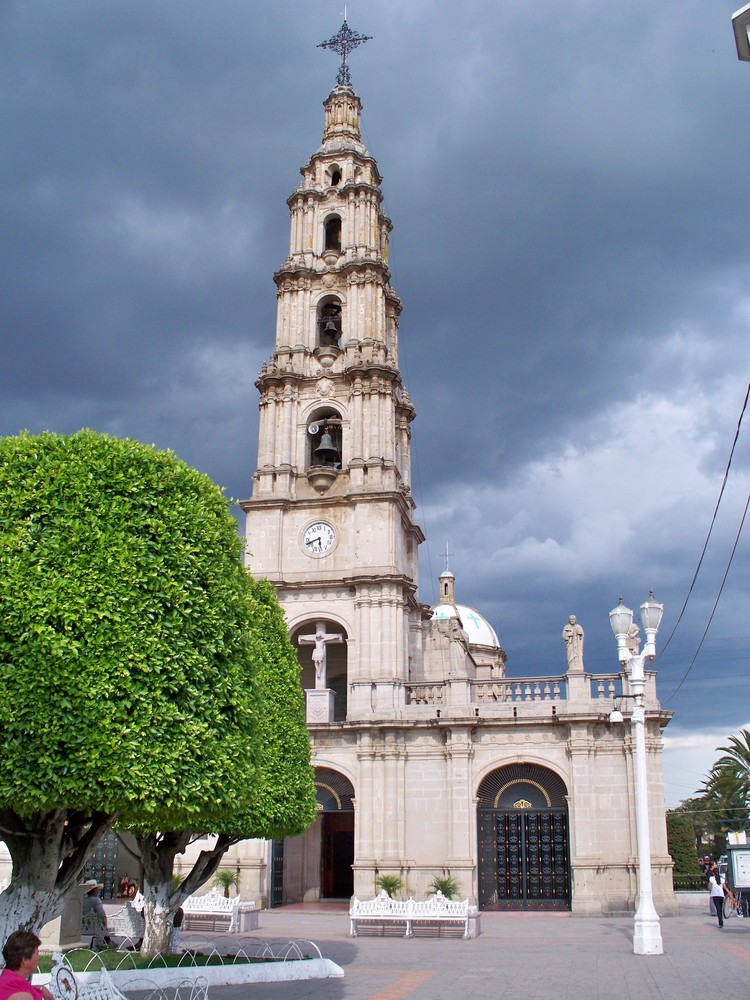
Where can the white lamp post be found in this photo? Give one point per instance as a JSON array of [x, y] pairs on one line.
[[741, 25], [647, 929]]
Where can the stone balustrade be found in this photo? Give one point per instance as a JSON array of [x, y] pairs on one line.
[[519, 689], [593, 688]]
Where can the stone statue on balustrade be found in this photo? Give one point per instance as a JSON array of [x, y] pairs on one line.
[[573, 638]]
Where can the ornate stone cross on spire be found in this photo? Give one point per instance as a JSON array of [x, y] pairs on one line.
[[343, 42]]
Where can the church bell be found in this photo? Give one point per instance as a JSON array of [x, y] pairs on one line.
[[326, 451]]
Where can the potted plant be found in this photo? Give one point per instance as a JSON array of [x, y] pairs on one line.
[[225, 878], [447, 884], [390, 884]]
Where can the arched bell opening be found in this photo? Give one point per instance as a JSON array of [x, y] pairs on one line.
[[523, 849], [329, 322], [324, 439], [332, 228], [334, 175], [322, 654]]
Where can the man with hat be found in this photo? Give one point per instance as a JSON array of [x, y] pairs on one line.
[[94, 916]]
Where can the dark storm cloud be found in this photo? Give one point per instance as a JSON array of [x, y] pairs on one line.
[[568, 189]]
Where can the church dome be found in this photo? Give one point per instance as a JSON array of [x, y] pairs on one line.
[[478, 630], [474, 624]]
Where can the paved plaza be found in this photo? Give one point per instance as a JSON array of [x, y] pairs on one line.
[[524, 956]]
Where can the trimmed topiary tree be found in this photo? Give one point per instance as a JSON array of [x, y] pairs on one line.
[[127, 657], [277, 802]]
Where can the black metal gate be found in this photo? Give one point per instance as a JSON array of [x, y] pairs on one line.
[[523, 860], [522, 823], [276, 888], [102, 865]]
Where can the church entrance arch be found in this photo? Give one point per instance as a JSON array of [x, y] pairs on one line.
[[318, 864], [335, 797], [524, 855]]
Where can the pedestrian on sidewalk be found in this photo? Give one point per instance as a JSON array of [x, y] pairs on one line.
[[716, 887]]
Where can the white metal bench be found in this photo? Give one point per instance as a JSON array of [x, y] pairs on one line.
[[436, 911], [211, 906], [64, 984], [127, 923], [94, 929], [440, 912]]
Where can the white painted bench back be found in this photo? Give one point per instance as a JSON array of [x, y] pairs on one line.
[[210, 902], [127, 922], [64, 985]]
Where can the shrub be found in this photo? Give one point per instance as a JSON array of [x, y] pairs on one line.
[[390, 884], [447, 884]]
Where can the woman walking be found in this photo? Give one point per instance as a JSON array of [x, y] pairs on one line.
[[716, 887]]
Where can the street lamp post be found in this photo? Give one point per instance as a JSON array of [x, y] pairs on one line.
[[741, 25], [646, 928]]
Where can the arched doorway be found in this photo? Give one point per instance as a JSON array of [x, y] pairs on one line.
[[522, 824], [318, 864], [335, 795]]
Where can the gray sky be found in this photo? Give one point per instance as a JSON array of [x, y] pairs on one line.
[[568, 187]]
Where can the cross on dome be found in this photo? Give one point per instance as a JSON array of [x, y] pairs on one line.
[[343, 42], [446, 555]]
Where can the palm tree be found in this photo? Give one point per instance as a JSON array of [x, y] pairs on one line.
[[729, 778], [447, 884], [390, 884], [225, 878]]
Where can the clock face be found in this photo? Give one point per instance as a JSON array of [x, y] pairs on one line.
[[318, 538]]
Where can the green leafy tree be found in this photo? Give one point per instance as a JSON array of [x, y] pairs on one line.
[[127, 656], [681, 842], [702, 811], [278, 802]]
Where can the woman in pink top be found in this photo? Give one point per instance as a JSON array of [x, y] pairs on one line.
[[21, 954]]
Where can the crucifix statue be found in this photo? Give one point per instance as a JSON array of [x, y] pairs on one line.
[[343, 42], [320, 641]]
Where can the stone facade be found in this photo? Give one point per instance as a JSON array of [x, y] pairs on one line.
[[429, 759]]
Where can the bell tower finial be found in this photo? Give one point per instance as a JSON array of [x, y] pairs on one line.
[[343, 42], [447, 580], [446, 556]]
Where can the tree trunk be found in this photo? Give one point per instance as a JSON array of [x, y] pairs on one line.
[[159, 917], [48, 854], [162, 899]]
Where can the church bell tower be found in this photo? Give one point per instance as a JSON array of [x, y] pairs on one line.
[[331, 518]]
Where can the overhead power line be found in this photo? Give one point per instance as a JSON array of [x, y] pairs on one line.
[[716, 602], [711, 527], [708, 536]]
